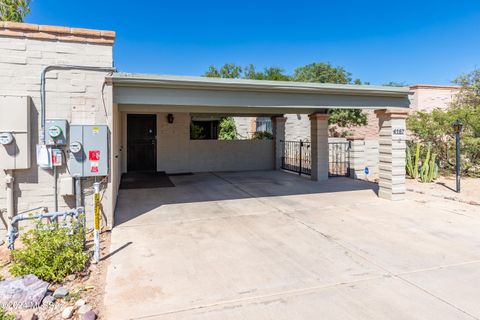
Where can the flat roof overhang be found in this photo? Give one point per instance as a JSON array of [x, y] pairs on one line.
[[159, 93]]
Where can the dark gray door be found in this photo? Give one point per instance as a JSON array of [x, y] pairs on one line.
[[141, 142]]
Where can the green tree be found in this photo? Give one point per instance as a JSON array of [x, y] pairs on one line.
[[322, 72], [326, 73], [14, 10], [315, 72], [436, 127], [228, 70], [269, 73]]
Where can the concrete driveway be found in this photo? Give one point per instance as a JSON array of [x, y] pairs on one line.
[[272, 245]]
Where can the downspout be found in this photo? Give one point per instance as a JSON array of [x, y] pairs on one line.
[[42, 88]]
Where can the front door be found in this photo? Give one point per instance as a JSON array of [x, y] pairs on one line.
[[141, 142]]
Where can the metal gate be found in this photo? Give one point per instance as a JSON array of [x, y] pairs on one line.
[[297, 157], [339, 159]]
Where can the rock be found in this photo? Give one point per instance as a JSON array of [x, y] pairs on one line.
[[23, 292], [67, 312], [84, 309], [26, 315], [90, 315], [48, 300], [79, 303], [71, 277], [60, 293]]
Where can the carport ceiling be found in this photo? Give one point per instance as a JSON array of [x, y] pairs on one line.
[[146, 92]]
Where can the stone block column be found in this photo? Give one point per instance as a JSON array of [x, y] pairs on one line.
[[357, 157], [278, 127], [319, 138], [392, 146]]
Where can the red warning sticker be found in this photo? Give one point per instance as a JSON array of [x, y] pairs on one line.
[[94, 155]]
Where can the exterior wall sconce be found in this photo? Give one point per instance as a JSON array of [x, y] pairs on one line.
[[457, 128], [170, 118]]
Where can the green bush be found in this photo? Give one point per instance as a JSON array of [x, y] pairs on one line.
[[435, 127], [262, 135], [228, 130], [51, 252], [6, 316]]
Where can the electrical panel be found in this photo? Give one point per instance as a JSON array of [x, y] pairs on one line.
[[15, 150], [56, 132], [88, 151]]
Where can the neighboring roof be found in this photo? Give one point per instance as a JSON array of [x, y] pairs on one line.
[[44, 32], [433, 86], [155, 80]]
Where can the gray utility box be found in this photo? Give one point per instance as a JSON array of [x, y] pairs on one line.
[[15, 132], [88, 151], [56, 132]]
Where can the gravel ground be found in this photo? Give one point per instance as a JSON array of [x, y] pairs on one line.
[[88, 285], [444, 187]]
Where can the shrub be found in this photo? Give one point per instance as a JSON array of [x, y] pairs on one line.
[[6, 316], [51, 252], [436, 127], [228, 130], [262, 135]]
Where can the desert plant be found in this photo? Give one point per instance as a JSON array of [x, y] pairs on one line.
[[429, 169], [51, 252], [413, 162]]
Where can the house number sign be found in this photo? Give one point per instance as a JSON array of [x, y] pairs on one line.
[[398, 132]]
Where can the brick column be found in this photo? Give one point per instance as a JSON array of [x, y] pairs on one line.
[[319, 138], [392, 153], [358, 160], [278, 127]]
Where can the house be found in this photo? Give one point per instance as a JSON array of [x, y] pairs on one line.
[[66, 115]]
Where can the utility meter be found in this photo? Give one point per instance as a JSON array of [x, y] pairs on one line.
[[54, 131], [6, 138], [75, 147]]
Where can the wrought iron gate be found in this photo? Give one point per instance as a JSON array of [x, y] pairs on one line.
[[297, 157], [339, 159]]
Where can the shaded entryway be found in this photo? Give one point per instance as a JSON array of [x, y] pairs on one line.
[[273, 245]]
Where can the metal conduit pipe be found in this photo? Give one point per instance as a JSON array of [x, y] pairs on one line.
[[9, 186], [42, 88], [13, 231]]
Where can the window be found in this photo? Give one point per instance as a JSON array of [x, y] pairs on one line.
[[264, 124], [204, 129]]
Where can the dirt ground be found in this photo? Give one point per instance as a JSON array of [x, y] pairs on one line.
[[88, 285], [444, 188]]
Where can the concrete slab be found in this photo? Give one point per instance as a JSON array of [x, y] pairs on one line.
[[272, 245]]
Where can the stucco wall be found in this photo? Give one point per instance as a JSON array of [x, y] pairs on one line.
[[233, 155], [176, 153], [72, 95]]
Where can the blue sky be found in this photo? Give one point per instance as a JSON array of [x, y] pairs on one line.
[[377, 41]]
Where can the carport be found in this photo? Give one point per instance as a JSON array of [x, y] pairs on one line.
[[168, 103]]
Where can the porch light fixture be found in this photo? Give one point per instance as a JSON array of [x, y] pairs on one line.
[[170, 118], [457, 128]]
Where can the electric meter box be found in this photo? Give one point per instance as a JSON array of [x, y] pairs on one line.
[[88, 151], [56, 132], [15, 139]]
